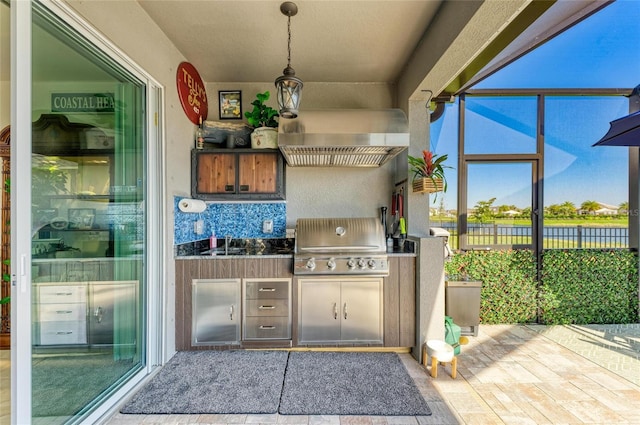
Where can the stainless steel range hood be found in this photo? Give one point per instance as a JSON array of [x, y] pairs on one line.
[[343, 137]]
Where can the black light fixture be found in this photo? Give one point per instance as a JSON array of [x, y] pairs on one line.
[[288, 86]]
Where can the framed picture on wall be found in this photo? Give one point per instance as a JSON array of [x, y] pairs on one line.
[[81, 218], [230, 102]]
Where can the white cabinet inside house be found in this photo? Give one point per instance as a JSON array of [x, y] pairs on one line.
[[79, 313], [61, 314]]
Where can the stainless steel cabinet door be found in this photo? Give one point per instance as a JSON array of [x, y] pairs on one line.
[[340, 310], [361, 311], [216, 311], [319, 313], [113, 313]]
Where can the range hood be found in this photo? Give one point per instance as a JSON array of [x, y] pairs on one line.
[[343, 137]]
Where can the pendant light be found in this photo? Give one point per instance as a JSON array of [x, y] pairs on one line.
[[288, 86]]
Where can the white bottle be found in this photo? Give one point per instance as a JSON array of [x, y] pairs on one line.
[[213, 242]]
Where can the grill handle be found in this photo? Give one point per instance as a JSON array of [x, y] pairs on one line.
[[324, 248]]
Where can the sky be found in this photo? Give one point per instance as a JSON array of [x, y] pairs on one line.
[[603, 51]]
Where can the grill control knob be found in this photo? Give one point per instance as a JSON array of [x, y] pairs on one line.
[[311, 263], [362, 263], [351, 263], [331, 263], [372, 264]]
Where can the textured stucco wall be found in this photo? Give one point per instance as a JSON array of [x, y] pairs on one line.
[[323, 191]]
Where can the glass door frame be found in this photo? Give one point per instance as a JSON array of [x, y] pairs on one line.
[[536, 224], [21, 123], [537, 166]]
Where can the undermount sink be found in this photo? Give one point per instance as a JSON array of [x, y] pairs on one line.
[[222, 251]]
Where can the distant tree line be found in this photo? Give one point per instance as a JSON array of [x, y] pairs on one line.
[[485, 211]]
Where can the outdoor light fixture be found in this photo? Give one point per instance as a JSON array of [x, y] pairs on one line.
[[288, 86]]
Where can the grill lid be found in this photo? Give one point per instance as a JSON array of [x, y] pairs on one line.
[[346, 235]]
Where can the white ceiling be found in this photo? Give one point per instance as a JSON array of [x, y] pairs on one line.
[[434, 44], [332, 41]]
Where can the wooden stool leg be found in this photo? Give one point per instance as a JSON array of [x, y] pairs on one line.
[[434, 367], [454, 367], [424, 355]]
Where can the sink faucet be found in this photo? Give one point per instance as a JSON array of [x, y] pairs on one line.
[[227, 242]]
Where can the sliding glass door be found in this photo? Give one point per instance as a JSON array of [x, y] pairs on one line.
[[86, 264]]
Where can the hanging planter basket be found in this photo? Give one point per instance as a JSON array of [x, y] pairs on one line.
[[427, 185]]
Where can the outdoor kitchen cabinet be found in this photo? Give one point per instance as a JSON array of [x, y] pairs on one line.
[[266, 309], [216, 312], [340, 311], [237, 174]]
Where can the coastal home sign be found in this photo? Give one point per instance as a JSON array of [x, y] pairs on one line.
[[82, 102]]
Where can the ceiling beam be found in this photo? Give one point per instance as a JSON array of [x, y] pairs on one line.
[[463, 38]]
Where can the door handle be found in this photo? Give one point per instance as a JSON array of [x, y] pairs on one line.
[[344, 310], [231, 312], [335, 311], [98, 314], [266, 307]]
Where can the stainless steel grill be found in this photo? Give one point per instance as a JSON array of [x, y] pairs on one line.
[[340, 246]]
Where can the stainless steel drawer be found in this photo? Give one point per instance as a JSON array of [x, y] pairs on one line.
[[267, 328], [267, 289], [268, 307]]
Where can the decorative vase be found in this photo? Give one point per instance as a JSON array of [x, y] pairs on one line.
[[264, 138], [428, 185]]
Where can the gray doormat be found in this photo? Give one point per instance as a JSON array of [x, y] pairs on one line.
[[314, 383], [214, 382], [344, 383]]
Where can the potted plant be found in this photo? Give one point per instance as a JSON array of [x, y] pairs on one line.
[[263, 119], [428, 172]]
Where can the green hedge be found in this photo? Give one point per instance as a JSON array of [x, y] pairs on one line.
[[577, 286], [589, 286], [508, 283]]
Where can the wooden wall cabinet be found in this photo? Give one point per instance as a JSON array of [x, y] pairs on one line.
[[237, 174]]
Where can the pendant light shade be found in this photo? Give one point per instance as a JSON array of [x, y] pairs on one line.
[[288, 86]]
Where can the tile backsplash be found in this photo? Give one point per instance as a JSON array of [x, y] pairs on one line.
[[239, 220]]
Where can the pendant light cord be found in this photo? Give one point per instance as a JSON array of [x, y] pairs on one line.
[[289, 41]]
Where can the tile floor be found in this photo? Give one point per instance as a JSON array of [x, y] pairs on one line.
[[508, 374]]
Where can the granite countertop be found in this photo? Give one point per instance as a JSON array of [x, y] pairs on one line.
[[258, 248]]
